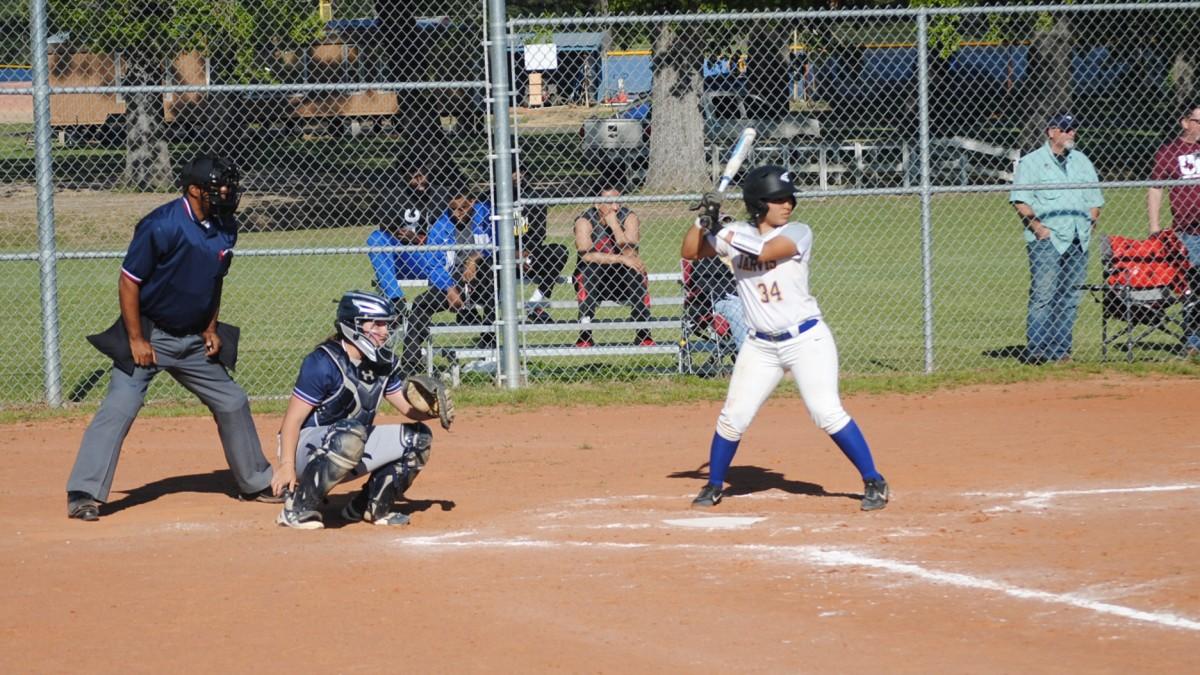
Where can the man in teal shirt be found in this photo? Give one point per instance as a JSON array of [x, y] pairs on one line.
[[1058, 224]]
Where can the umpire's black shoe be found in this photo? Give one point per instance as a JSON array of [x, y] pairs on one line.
[[264, 495], [875, 494], [83, 506], [710, 495]]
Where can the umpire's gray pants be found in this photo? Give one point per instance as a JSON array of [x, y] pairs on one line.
[[182, 357]]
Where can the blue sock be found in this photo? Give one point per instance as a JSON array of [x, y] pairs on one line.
[[720, 456], [855, 447]]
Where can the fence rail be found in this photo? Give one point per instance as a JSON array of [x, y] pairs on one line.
[[355, 133]]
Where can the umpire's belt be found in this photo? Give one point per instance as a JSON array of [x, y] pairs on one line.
[[787, 334]]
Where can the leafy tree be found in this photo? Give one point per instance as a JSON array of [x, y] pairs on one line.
[[677, 161], [150, 34], [14, 32]]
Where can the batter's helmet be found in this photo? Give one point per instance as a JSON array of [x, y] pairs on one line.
[[357, 307], [212, 173], [763, 183]]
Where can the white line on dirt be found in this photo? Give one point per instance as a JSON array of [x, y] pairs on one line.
[[836, 557], [1039, 499]]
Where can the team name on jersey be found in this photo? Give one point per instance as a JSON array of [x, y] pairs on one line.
[[749, 263]]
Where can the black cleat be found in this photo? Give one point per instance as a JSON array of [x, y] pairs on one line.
[[710, 495], [875, 494], [82, 506]]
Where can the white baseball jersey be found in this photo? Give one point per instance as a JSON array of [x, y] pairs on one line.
[[775, 294]]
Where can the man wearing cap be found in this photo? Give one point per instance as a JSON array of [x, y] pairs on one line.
[[170, 294], [1058, 224], [1180, 160]]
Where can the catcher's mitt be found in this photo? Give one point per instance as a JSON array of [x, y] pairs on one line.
[[430, 396]]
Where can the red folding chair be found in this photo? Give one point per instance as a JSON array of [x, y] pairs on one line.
[[1144, 290]]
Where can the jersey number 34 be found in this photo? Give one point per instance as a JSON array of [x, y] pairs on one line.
[[769, 294]]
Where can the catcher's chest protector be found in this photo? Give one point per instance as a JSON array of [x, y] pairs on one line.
[[358, 400]]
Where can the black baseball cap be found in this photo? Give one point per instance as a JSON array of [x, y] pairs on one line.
[[1063, 120]]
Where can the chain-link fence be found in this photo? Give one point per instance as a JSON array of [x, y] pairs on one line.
[[358, 126]]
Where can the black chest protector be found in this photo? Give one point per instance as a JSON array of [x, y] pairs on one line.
[[360, 395]]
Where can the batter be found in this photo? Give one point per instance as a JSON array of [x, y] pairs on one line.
[[770, 257]]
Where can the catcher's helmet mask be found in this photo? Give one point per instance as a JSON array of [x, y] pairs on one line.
[[357, 307], [211, 173], [766, 183]]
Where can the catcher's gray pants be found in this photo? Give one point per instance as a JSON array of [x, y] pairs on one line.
[[386, 443], [182, 357]]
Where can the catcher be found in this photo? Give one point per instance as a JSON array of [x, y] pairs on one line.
[[328, 434]]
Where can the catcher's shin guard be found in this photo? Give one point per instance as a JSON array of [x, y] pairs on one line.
[[333, 461], [391, 481]]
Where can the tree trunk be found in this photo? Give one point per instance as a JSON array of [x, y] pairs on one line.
[[677, 161], [404, 49], [224, 122], [1049, 82], [147, 156], [769, 64]]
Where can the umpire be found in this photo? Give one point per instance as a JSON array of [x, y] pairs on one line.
[[170, 295]]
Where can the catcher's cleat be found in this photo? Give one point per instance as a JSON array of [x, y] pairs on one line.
[[710, 495], [300, 520], [264, 496], [393, 518], [354, 509], [875, 494], [82, 506]]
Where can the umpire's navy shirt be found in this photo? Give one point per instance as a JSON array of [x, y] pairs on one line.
[[177, 263]]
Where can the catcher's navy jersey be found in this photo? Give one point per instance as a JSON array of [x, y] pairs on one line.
[[177, 263], [339, 389]]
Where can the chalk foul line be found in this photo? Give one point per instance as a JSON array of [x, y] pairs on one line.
[[830, 557], [835, 557]]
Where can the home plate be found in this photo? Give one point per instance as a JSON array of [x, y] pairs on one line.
[[716, 522]]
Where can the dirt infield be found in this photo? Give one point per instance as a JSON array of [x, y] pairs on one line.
[[1043, 527], [15, 108]]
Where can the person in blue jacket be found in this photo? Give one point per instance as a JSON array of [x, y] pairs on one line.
[[405, 221], [458, 280]]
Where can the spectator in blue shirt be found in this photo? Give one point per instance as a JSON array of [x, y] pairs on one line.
[[458, 280], [170, 295]]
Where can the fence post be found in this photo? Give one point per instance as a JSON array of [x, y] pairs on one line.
[[47, 260], [502, 163], [926, 201]]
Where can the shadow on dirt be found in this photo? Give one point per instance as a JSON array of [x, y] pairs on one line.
[[334, 505], [220, 481], [744, 480]]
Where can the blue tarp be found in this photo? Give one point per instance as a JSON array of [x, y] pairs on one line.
[[1093, 70], [16, 75]]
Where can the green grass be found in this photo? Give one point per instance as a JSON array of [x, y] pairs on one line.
[[659, 391], [866, 273]]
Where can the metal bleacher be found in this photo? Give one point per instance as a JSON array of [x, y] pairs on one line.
[[459, 357]]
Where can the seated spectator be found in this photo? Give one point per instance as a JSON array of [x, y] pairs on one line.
[[404, 222], [542, 262], [609, 266], [712, 296], [458, 280]]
